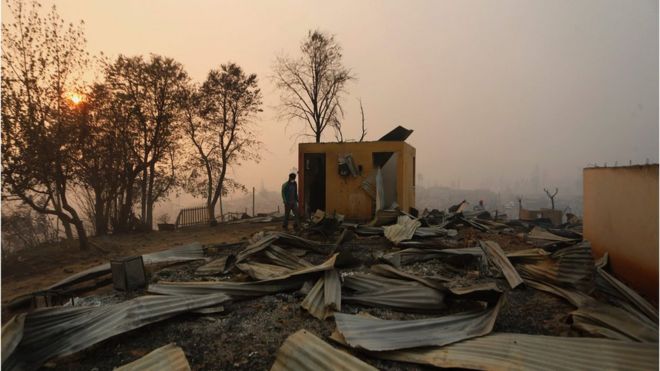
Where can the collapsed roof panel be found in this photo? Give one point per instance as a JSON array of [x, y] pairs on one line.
[[398, 134]]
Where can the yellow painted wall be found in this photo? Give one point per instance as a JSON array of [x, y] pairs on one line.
[[344, 195], [621, 218]]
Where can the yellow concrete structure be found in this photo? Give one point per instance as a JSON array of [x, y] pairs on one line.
[[322, 186], [621, 218]]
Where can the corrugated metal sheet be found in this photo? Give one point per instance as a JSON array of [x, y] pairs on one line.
[[571, 266], [325, 296], [290, 281], [403, 230], [412, 255], [284, 258], [405, 295], [601, 319], [539, 233], [533, 352], [166, 358], [363, 282], [221, 265], [497, 256], [256, 246], [60, 331], [314, 302], [12, 333], [379, 335], [303, 351], [262, 271], [414, 298], [332, 289], [389, 271], [623, 295]]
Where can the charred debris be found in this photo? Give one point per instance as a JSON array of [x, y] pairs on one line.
[[455, 288]]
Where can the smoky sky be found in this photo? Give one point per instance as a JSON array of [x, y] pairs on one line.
[[493, 89]]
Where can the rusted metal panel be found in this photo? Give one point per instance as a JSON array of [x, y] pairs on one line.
[[56, 332], [572, 266], [497, 256], [380, 335], [303, 351], [533, 352], [166, 358]]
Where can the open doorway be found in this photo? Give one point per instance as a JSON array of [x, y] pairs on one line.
[[387, 162], [314, 182]]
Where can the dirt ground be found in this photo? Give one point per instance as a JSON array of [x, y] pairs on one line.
[[31, 270], [248, 334]]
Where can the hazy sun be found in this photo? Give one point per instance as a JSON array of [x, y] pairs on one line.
[[75, 98]]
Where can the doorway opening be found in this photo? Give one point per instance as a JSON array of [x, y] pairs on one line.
[[386, 164], [314, 182]]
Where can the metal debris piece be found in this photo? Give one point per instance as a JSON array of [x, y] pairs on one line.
[[12, 333], [532, 352], [332, 289], [623, 295], [285, 258], [412, 255], [497, 256], [539, 233], [241, 290], [571, 267], [362, 282], [262, 271], [221, 265], [303, 351], [414, 298], [325, 296], [385, 270], [60, 331], [379, 335], [403, 230], [166, 358], [599, 318]]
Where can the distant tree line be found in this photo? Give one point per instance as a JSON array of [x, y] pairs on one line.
[[108, 151]]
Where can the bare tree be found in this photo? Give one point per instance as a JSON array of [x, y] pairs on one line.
[[551, 196], [218, 117], [364, 130], [312, 85], [42, 58]]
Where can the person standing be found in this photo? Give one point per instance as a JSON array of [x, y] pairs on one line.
[[290, 198]]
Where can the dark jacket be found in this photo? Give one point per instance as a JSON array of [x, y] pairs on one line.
[[286, 192]]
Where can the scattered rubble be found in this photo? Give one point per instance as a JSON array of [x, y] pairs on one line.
[[453, 288]]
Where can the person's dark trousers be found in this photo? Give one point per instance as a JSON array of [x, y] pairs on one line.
[[287, 210]]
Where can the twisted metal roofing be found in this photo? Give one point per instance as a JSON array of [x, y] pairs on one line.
[[166, 358], [303, 351]]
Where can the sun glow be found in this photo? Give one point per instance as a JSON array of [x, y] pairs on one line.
[[75, 98]]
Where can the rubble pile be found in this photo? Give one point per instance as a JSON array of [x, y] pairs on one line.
[[431, 290]]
